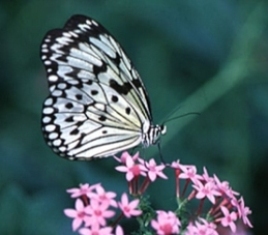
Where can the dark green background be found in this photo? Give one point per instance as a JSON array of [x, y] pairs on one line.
[[194, 56]]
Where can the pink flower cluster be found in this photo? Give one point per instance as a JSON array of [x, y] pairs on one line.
[[225, 206], [94, 206], [219, 206], [136, 168]]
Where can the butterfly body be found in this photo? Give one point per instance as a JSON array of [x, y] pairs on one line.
[[98, 105]]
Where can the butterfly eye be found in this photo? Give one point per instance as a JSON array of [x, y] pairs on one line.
[[163, 129], [97, 104]]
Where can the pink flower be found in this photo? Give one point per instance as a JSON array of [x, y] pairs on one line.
[[96, 230], [79, 214], [191, 229], [243, 212], [125, 155], [129, 208], [131, 168], [98, 213], [206, 176], [102, 196], [224, 188], [83, 190], [208, 190], [189, 172], [201, 227], [166, 223], [228, 219], [153, 170], [176, 164]]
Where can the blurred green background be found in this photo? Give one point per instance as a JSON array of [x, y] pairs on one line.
[[194, 56]]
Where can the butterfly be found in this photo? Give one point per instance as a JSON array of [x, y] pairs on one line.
[[98, 105]]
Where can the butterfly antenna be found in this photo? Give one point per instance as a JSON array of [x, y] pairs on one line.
[[183, 115]]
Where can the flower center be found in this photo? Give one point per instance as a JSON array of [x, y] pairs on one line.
[[98, 213], [135, 170], [81, 214], [167, 229]]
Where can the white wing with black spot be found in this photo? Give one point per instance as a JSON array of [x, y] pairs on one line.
[[98, 104]]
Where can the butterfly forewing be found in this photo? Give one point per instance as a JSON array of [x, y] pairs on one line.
[[97, 104]]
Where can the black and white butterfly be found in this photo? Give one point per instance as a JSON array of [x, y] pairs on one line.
[[98, 105]]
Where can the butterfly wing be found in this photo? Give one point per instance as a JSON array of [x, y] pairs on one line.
[[97, 103]]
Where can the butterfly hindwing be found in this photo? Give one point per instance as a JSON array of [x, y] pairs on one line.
[[97, 103]]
